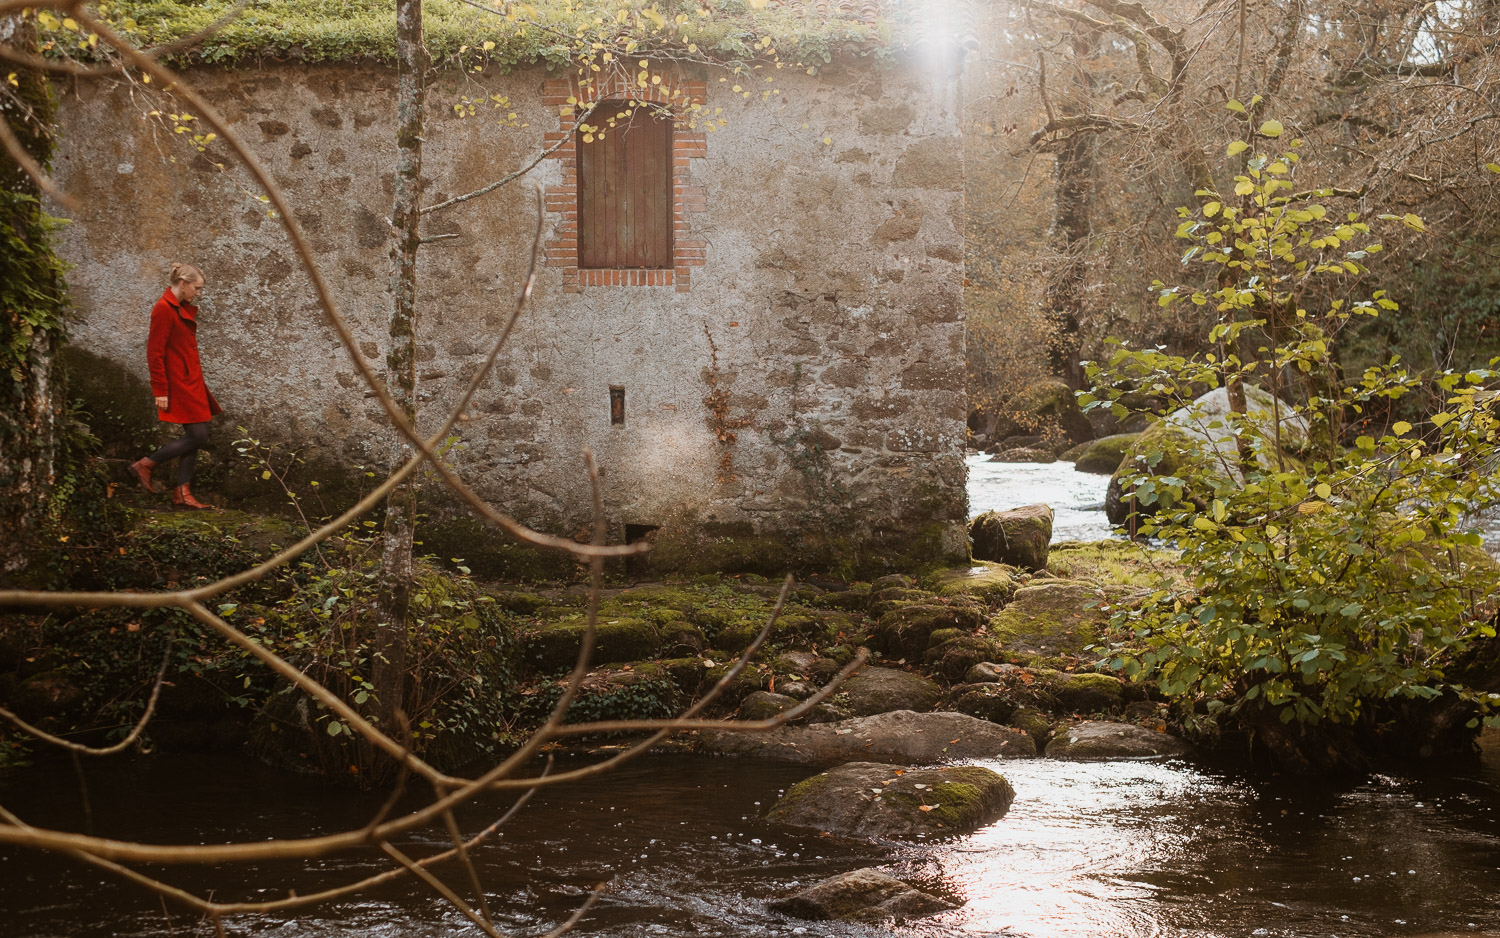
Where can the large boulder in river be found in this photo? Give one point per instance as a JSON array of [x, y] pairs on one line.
[[901, 737], [1104, 455], [880, 802], [1019, 537], [881, 690], [1202, 434], [1045, 404], [866, 895], [1101, 740]]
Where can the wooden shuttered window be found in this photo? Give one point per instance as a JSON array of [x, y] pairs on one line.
[[625, 191]]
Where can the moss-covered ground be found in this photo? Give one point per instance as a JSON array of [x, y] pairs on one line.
[[493, 653]]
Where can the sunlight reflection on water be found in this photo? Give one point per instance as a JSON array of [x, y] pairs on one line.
[[1077, 498]]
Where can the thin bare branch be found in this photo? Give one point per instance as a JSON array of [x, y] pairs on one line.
[[441, 888], [509, 177]]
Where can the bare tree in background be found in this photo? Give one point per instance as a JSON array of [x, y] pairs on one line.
[[1131, 104]]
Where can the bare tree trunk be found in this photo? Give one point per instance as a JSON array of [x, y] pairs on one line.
[[1075, 178], [388, 671], [1074, 171], [32, 303]]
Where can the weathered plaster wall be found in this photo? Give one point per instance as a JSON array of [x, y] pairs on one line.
[[828, 308]]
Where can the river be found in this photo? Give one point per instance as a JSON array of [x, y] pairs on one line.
[[1088, 849]]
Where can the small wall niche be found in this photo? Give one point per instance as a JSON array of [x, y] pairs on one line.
[[639, 566], [617, 407]]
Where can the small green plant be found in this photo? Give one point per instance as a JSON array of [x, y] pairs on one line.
[[1327, 579]]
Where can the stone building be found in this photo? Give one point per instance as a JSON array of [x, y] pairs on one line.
[[775, 375]]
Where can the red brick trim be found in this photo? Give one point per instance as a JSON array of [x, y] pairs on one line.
[[562, 199]]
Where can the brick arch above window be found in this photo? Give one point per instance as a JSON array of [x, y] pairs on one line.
[[671, 260]]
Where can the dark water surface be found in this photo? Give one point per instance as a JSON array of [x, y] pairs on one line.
[[1125, 849]]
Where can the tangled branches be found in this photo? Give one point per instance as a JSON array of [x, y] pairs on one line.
[[516, 773]]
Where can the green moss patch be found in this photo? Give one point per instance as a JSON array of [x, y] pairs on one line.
[[348, 30], [990, 583]]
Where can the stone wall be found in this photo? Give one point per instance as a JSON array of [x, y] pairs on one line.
[[805, 394]]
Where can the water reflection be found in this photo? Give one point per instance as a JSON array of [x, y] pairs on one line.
[[1117, 849]]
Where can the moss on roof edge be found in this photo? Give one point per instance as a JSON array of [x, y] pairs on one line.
[[355, 31]]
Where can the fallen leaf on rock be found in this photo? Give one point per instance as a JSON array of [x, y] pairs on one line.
[[926, 807]]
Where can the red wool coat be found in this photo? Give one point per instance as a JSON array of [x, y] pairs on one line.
[[172, 357]]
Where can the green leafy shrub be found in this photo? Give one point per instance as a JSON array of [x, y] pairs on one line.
[[461, 657], [1322, 588]]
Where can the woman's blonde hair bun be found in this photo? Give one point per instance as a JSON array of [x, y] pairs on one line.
[[184, 273]]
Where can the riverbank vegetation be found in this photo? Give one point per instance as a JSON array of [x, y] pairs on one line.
[[1333, 585]]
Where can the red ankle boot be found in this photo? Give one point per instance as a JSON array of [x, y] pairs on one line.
[[142, 468], [182, 497]]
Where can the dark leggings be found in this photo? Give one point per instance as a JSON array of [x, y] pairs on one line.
[[184, 449]]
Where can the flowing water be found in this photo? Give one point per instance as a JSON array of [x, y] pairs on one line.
[[1077, 498], [1088, 849]]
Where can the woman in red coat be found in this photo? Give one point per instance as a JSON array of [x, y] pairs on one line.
[[177, 382]]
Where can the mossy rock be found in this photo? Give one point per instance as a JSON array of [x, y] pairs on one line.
[[1089, 692], [883, 601], [882, 690], [869, 801], [520, 602], [43, 696], [904, 632], [737, 636], [554, 647], [803, 630], [1025, 454], [764, 705], [794, 663], [1019, 536], [985, 581], [682, 637], [987, 702], [750, 680], [1051, 621], [1072, 453], [1104, 455], [1116, 566], [851, 600], [1049, 402], [1034, 723], [866, 895], [632, 673], [687, 673], [1096, 740], [941, 636], [953, 657]]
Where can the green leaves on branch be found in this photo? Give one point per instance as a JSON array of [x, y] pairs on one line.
[[1327, 578]]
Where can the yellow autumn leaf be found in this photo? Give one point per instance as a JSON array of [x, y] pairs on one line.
[[1271, 128]]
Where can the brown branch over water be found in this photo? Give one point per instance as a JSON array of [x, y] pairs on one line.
[[115, 856]]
